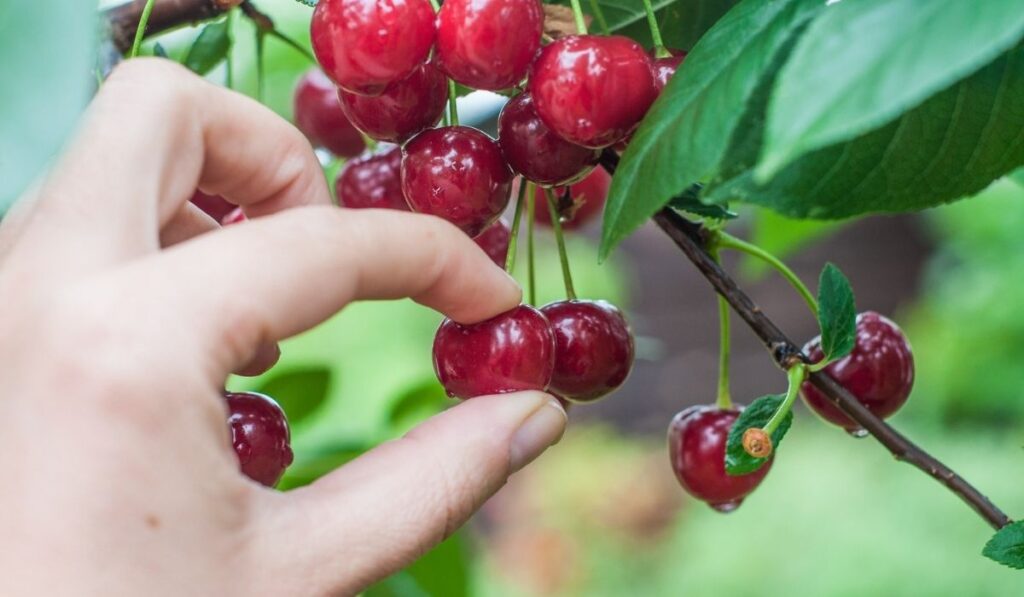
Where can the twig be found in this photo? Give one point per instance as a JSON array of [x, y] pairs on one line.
[[167, 14]]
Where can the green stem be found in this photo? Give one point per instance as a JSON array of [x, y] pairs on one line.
[[260, 37], [724, 400], [577, 12], [652, 22], [563, 255], [435, 5], [229, 64], [599, 15], [453, 108], [140, 32], [291, 43], [796, 375], [513, 241], [531, 276], [727, 241]]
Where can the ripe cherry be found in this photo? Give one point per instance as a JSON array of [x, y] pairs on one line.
[[403, 109], [260, 436], [214, 206], [665, 68], [494, 241], [237, 216], [879, 372], [373, 181], [697, 439], [457, 173], [593, 348], [488, 44], [535, 151], [364, 45], [319, 116], [592, 90], [586, 200], [512, 352]]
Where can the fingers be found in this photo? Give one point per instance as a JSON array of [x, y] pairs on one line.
[[383, 510]]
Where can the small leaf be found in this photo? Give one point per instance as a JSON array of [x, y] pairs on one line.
[[691, 203], [300, 392], [210, 48], [419, 402], [310, 3], [737, 461], [159, 51], [837, 314], [1007, 546]]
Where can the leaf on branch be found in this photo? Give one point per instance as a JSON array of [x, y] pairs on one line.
[[310, 3], [159, 51], [837, 314], [1007, 546], [691, 203], [737, 461], [210, 48], [559, 21]]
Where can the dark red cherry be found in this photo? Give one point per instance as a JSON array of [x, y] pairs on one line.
[[535, 151], [586, 200], [592, 90], [488, 44], [405, 108], [365, 45], [696, 441], [494, 241], [260, 436], [457, 173], [879, 372], [319, 116], [373, 181], [237, 216], [512, 352], [665, 68], [214, 206], [593, 349]]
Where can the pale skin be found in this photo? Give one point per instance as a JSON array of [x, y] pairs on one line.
[[124, 310]]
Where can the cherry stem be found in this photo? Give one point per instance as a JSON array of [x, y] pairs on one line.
[[513, 241], [563, 255], [796, 375], [652, 22], [140, 31], [260, 38], [599, 15], [581, 22], [724, 400], [531, 276], [727, 241], [229, 64], [453, 107]]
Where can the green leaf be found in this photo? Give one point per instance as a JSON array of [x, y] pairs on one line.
[[1007, 546], [300, 392], [687, 131], [310, 3], [837, 315], [210, 48], [682, 22], [690, 202], [870, 61], [423, 400], [159, 51], [48, 51], [444, 570], [1018, 177], [737, 461]]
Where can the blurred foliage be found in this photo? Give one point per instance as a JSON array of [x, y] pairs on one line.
[[781, 236]]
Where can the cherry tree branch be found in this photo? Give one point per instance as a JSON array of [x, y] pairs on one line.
[[123, 19]]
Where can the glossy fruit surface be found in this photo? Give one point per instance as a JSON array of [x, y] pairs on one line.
[[373, 181], [697, 438], [260, 436], [403, 109], [237, 216], [488, 44], [214, 206], [512, 352], [665, 68], [535, 151], [879, 372], [494, 241], [593, 349], [365, 45], [592, 90], [456, 173], [319, 116], [586, 200]]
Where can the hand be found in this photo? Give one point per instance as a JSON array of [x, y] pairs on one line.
[[125, 308]]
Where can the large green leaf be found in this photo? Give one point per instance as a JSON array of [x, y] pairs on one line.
[[47, 50], [864, 63]]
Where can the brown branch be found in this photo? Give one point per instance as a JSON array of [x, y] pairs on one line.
[[693, 239], [166, 15]]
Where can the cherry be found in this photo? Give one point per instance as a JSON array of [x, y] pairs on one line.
[[403, 109], [237, 216], [879, 372], [319, 116], [488, 44], [494, 241], [364, 45], [592, 90], [214, 206], [586, 198], [457, 173], [259, 434], [374, 181], [535, 151], [593, 348], [512, 352], [665, 68], [697, 438]]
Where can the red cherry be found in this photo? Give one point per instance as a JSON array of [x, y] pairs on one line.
[[214, 206], [319, 116], [593, 349], [373, 181], [535, 151], [494, 241], [457, 173], [665, 68], [405, 107], [260, 436], [592, 90], [364, 45], [697, 439], [587, 197], [488, 44], [237, 216], [512, 352], [879, 372]]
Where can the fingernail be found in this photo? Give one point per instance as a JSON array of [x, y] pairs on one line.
[[538, 432]]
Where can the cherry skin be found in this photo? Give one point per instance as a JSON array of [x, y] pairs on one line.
[[697, 439], [512, 352], [665, 68], [593, 349], [494, 241], [587, 198], [260, 436], [592, 90], [535, 151], [457, 173], [365, 45], [319, 116], [405, 107], [373, 181], [237, 216], [214, 206], [488, 44], [879, 372]]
